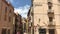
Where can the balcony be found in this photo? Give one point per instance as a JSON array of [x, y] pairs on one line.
[[50, 13], [51, 24]]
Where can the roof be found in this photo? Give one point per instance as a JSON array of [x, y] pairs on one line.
[[8, 4], [29, 12]]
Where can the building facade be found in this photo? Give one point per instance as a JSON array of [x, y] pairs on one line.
[[30, 21], [46, 16], [24, 21], [6, 17], [18, 25]]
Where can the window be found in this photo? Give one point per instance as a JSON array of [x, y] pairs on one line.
[[50, 19], [4, 31], [49, 5], [8, 31], [9, 18], [51, 31], [0, 8], [39, 20], [42, 31], [9, 15], [5, 13], [24, 27], [1, 5]]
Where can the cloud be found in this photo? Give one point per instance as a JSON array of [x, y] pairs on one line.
[[22, 10], [11, 0]]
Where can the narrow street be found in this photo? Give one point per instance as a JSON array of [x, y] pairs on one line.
[[29, 16]]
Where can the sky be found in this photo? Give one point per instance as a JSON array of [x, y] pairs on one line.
[[21, 6]]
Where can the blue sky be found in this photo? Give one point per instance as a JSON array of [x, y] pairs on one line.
[[21, 6]]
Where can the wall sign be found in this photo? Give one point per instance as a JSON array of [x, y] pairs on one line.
[[37, 4]]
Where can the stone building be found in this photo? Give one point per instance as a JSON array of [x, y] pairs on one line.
[[46, 16], [6, 17], [30, 21], [18, 25], [24, 24]]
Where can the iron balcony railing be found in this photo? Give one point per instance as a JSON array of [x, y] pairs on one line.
[[51, 24]]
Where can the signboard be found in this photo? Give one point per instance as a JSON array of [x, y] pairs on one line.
[[37, 4]]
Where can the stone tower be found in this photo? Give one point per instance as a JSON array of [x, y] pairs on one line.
[[46, 16]]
